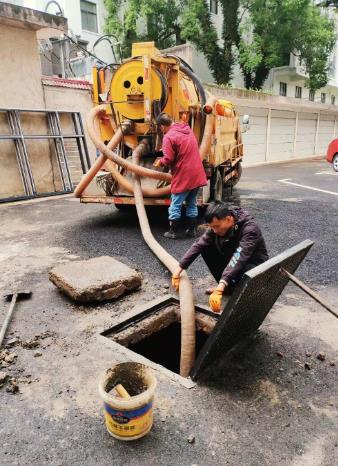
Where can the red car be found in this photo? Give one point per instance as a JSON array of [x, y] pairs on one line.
[[332, 154]]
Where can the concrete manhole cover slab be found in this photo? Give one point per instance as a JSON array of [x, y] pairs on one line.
[[98, 279]]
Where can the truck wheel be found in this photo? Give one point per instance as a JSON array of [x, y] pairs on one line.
[[125, 207], [218, 188], [237, 173]]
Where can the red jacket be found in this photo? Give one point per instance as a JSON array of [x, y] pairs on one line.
[[181, 154]]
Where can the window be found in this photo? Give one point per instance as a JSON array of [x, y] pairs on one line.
[[298, 92], [88, 16], [312, 96], [283, 87], [214, 6], [333, 100], [323, 97]]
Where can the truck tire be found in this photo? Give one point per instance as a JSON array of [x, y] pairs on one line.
[[125, 207], [217, 185], [236, 176]]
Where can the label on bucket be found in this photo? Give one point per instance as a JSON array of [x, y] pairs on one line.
[[129, 423]]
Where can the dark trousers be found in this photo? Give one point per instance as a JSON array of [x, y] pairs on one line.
[[216, 262]]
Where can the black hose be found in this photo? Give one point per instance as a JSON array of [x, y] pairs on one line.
[[203, 98], [201, 92]]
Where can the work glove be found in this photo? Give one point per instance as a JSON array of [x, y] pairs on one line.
[[215, 301], [157, 163], [175, 282]]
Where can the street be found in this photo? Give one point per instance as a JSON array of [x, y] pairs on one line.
[[273, 403]]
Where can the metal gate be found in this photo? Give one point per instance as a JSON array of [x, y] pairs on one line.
[[58, 138]]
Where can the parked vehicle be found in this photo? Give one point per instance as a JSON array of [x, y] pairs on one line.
[[332, 154], [136, 91]]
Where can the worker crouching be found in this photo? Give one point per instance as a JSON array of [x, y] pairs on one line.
[[232, 245], [181, 155]]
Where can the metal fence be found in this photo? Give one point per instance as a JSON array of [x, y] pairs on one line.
[[58, 138]]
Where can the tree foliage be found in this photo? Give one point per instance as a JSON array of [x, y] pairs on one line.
[[141, 20], [198, 28], [270, 30], [259, 34]]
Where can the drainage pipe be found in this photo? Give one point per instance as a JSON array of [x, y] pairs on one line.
[[188, 329]]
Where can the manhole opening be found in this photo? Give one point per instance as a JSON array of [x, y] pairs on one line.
[[156, 335], [164, 347]]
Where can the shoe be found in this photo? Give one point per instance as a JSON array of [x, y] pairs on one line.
[[173, 230], [191, 232]]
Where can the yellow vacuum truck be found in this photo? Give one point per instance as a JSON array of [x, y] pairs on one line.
[[128, 97]]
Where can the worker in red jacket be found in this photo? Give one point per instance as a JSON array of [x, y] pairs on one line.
[[181, 155]]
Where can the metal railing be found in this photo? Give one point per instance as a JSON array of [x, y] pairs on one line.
[[54, 134]]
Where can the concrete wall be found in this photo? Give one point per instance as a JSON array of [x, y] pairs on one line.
[[282, 128], [21, 88], [20, 84], [278, 135], [72, 100]]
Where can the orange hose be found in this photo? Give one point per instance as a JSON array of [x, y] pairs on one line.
[[188, 332], [140, 171], [147, 192], [115, 141], [122, 181]]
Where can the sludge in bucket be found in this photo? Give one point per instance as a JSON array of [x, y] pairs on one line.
[[128, 418]]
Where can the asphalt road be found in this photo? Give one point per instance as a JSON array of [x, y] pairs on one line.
[[287, 215], [273, 403]]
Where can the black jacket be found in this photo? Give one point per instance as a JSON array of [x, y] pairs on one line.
[[243, 245]]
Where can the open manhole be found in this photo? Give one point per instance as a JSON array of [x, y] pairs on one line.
[[154, 331]]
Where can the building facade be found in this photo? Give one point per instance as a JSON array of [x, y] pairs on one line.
[[61, 56]]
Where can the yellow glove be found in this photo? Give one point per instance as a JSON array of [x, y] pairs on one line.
[[215, 300], [175, 282], [157, 163]]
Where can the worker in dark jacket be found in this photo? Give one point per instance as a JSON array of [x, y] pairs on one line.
[[181, 155], [232, 245]]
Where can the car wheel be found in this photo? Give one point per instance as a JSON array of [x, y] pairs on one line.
[[335, 162]]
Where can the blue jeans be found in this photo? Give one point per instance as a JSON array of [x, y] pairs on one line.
[[190, 198]]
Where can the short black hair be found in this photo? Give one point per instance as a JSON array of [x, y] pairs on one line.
[[164, 119], [217, 209]]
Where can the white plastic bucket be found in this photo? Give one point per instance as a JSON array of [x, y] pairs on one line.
[[128, 419]]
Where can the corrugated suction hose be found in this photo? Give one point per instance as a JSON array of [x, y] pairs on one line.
[[188, 329], [188, 332]]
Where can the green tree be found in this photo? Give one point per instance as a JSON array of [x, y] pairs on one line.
[[144, 20], [260, 34], [271, 29], [198, 28], [171, 22]]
